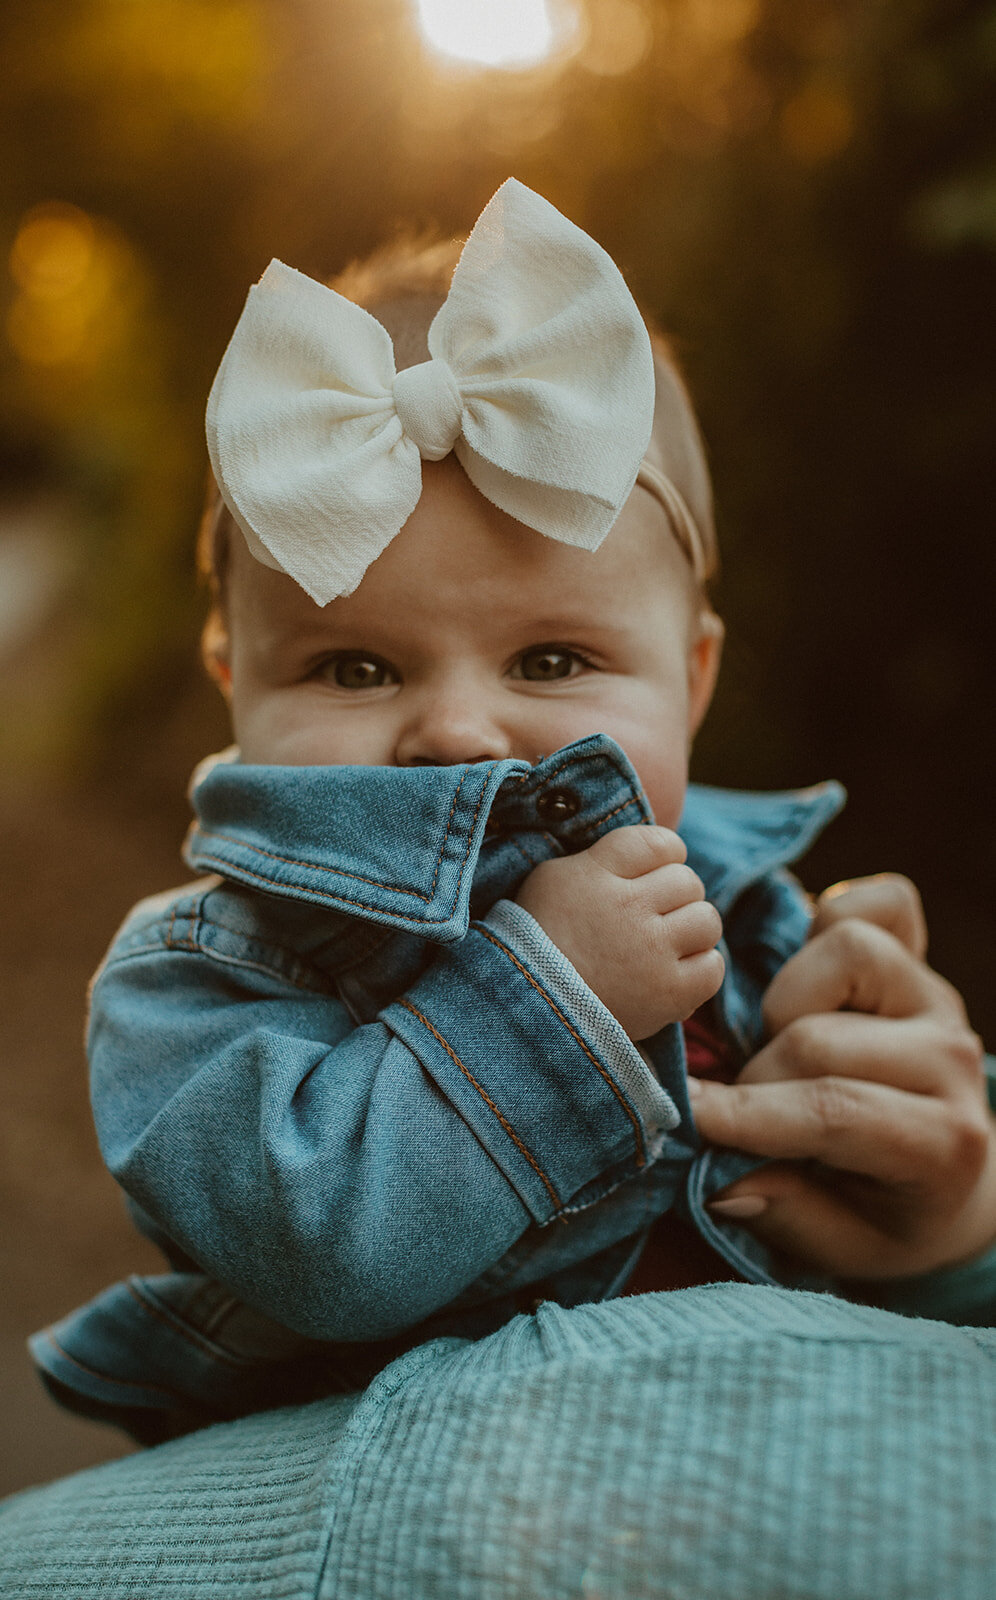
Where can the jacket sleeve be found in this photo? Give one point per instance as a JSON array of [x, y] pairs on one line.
[[349, 1179]]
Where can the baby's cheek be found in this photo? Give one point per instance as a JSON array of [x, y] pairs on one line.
[[275, 729], [664, 776]]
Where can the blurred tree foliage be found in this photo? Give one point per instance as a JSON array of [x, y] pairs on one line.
[[803, 190]]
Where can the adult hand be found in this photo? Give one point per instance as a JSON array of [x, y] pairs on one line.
[[873, 1078], [887, 899]]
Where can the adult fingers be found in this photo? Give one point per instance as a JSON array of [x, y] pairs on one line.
[[799, 1216], [887, 899], [636, 849], [868, 1128], [855, 966], [925, 1054]]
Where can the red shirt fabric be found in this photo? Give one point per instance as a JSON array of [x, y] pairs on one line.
[[675, 1256], [708, 1055]]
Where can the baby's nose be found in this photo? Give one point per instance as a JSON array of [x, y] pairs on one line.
[[453, 761], [448, 730]]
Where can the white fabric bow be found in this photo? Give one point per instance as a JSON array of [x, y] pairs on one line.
[[541, 380]]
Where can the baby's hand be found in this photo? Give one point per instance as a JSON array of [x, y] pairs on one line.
[[635, 923]]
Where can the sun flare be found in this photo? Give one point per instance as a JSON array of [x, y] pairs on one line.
[[492, 33]]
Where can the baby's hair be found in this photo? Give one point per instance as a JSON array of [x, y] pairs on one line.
[[404, 282]]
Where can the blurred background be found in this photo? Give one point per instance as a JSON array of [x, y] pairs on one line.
[[803, 191]]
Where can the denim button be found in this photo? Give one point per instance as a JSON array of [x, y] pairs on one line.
[[558, 804]]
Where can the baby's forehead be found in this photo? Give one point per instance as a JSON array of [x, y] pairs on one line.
[[458, 557]]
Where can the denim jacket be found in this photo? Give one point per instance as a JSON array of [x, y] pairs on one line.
[[360, 1099]]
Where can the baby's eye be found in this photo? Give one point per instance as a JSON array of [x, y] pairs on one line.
[[546, 663], [356, 671]]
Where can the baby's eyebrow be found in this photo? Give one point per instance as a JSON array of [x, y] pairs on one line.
[[572, 623], [293, 637], [309, 636]]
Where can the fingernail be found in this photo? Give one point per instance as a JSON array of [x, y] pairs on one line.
[[740, 1207], [694, 1089]]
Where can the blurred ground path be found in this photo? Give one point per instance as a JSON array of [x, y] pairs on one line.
[[36, 562], [74, 856], [71, 869]]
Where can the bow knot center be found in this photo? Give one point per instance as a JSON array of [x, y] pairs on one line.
[[430, 407]]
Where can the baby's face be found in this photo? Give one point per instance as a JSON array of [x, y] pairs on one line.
[[473, 638]]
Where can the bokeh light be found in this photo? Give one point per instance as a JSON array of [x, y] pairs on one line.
[[817, 123], [618, 37], [77, 282], [493, 33]]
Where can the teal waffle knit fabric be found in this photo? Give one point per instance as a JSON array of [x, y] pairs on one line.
[[732, 1442]]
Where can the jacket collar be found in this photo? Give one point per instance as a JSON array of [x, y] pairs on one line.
[[735, 837], [400, 845]]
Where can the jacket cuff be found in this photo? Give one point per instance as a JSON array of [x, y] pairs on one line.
[[536, 1065]]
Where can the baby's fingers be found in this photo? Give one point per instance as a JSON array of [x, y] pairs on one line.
[[698, 978], [668, 888], [691, 928], [632, 851]]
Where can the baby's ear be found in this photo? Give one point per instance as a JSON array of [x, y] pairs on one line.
[[216, 650], [704, 656]]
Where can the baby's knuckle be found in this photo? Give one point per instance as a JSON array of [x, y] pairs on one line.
[[636, 846], [689, 970], [693, 991], [662, 941], [666, 845], [683, 881], [711, 970], [711, 923], [690, 916], [716, 967], [707, 964], [670, 887]]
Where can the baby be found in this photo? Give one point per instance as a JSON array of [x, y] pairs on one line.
[[416, 1055]]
